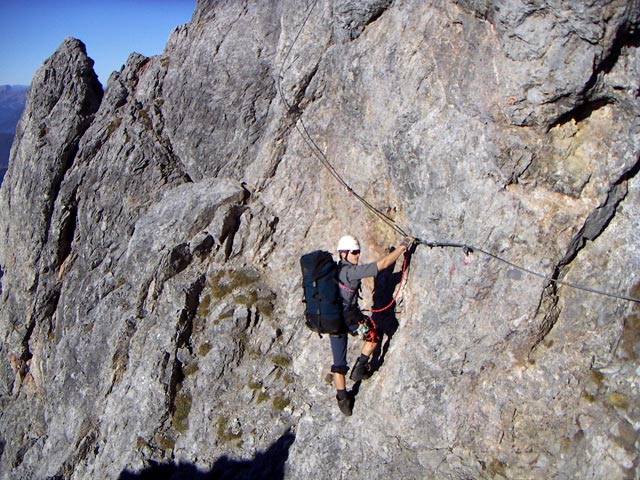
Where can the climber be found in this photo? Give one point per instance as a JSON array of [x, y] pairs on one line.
[[349, 276]]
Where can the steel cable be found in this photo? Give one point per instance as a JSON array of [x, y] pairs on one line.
[[321, 156]]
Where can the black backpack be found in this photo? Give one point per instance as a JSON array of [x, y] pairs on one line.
[[321, 287]]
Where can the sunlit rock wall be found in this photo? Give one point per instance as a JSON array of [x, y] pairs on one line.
[[151, 311]]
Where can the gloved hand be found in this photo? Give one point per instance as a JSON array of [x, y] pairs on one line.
[[406, 243]]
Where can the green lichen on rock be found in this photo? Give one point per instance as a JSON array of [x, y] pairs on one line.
[[217, 287], [242, 278], [182, 408], [165, 442], [618, 400], [496, 468], [263, 396], [265, 306], [588, 397], [254, 384], [246, 299], [205, 304], [597, 377], [244, 287], [280, 403], [281, 360], [190, 369], [203, 349], [224, 431], [141, 443]]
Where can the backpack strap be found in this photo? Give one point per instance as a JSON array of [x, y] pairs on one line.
[[351, 313], [352, 292]]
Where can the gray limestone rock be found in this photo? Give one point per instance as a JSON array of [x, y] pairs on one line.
[[150, 312]]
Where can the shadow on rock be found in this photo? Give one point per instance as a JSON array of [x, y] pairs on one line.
[[385, 286], [265, 465]]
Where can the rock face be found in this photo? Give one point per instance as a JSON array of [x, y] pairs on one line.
[[150, 235]]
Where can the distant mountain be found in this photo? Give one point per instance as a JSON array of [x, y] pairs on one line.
[[6, 139], [5, 146], [12, 101]]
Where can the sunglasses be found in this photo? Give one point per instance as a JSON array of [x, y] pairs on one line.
[[355, 252]]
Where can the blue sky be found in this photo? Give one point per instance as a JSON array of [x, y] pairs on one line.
[[32, 30]]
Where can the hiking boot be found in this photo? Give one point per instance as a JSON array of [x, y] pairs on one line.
[[361, 371], [346, 404]]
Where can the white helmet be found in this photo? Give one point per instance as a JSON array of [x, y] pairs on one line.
[[348, 242]]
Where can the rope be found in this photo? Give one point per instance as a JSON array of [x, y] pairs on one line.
[[470, 249], [322, 158], [316, 150]]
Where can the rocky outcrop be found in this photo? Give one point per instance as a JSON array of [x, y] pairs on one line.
[[150, 235]]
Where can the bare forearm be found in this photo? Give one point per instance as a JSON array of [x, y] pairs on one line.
[[390, 258]]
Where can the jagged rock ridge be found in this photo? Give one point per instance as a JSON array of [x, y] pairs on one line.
[[150, 237]]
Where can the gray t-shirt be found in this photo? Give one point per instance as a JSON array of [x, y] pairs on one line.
[[350, 276]]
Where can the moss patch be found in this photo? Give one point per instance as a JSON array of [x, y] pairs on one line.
[[224, 432], [246, 299], [281, 360], [141, 443], [254, 384], [182, 408], [165, 443], [204, 349], [190, 369], [618, 400], [244, 287], [496, 467], [597, 377], [203, 307], [280, 403], [217, 287], [265, 305], [242, 278], [588, 397]]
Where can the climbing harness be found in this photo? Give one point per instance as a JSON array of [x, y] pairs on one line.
[[367, 330], [467, 249]]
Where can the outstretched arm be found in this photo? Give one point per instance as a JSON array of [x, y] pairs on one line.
[[390, 258]]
